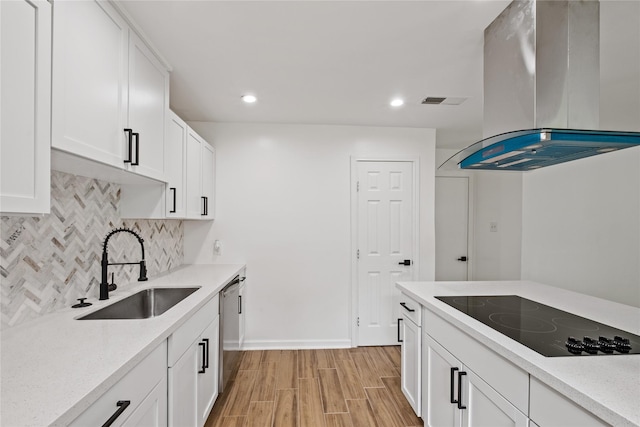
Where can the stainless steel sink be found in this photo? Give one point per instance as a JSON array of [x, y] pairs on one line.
[[142, 305]]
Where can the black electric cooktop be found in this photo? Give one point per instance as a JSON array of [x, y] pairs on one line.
[[547, 330]]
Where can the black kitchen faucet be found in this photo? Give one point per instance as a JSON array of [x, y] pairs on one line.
[[105, 287]]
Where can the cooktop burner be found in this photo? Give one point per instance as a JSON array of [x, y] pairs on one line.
[[547, 330]]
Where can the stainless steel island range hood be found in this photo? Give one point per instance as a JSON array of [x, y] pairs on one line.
[[541, 89]]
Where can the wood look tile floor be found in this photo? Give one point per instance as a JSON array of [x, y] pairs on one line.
[[356, 387]]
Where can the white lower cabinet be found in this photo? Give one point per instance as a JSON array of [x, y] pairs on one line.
[[208, 376], [193, 367], [140, 398], [152, 412], [241, 307], [549, 408], [453, 395], [411, 352]]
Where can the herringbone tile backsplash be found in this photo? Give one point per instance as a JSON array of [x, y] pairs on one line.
[[48, 262]]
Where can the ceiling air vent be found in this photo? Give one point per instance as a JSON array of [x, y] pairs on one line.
[[436, 100]]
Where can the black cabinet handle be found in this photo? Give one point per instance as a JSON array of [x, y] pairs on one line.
[[405, 262], [451, 393], [205, 206], [137, 162], [204, 350], [410, 310], [122, 405], [399, 320], [460, 375], [206, 341], [174, 199], [239, 304], [462, 258], [129, 132]]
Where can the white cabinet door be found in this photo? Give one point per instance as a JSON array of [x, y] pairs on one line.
[[439, 390], [208, 380], [241, 308], [183, 389], [208, 175], [148, 104], [175, 162], [90, 61], [152, 411], [193, 176], [138, 394], [25, 58], [486, 407], [411, 363], [551, 409]]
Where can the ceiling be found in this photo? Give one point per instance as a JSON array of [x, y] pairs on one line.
[[324, 62]]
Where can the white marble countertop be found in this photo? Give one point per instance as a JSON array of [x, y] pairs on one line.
[[607, 386], [55, 367]]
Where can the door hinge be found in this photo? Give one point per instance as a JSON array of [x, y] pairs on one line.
[[358, 254], [358, 321], [358, 186]]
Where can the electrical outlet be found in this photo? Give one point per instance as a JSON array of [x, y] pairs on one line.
[[493, 227], [217, 247]]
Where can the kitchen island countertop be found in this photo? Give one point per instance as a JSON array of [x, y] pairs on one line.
[[53, 368], [607, 386]]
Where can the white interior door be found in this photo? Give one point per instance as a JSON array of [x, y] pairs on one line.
[[452, 221], [385, 240]]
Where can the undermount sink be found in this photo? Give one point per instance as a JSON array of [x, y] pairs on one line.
[[142, 305]]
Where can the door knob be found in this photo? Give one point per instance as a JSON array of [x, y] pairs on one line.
[[405, 262], [462, 258]]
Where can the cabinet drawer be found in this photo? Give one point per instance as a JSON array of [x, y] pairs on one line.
[[410, 309], [549, 408], [134, 387], [181, 339], [506, 378]]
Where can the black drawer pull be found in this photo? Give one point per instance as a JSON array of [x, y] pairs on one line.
[[122, 405], [239, 304], [410, 310], [174, 199], [206, 341], [129, 132], [204, 351], [205, 206], [137, 162], [399, 320], [451, 392], [460, 375]]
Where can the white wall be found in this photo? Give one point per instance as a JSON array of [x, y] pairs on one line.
[[498, 199], [283, 207], [581, 226]]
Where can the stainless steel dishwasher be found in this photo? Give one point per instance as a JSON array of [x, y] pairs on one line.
[[229, 331]]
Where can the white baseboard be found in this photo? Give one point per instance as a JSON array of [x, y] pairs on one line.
[[294, 344]]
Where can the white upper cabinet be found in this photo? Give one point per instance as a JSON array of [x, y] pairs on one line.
[[148, 108], [176, 151], [208, 159], [106, 80], [25, 58], [190, 173], [90, 62], [200, 177], [195, 205]]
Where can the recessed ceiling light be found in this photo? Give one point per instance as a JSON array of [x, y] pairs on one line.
[[249, 99], [397, 102]]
